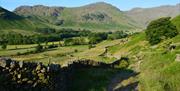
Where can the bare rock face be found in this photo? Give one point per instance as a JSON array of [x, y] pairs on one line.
[[39, 10], [177, 57]]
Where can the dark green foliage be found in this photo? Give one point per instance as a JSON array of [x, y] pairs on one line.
[[117, 35], [52, 46], [15, 38], [71, 37], [39, 48], [45, 30], [4, 46], [75, 50], [91, 46], [159, 30], [75, 41], [97, 37]]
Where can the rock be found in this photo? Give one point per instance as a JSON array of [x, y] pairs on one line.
[[12, 64], [39, 66], [177, 57], [21, 63], [25, 79], [35, 84], [20, 82], [43, 70], [4, 62], [19, 76], [30, 82]]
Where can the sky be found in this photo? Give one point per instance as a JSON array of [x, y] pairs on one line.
[[121, 4]]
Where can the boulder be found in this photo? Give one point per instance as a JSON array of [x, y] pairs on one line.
[[21, 64], [39, 66], [43, 70], [12, 64], [19, 76], [4, 62]]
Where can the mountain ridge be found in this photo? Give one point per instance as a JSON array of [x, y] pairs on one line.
[[95, 16], [144, 15], [98, 16]]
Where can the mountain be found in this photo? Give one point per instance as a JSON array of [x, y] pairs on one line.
[[144, 15], [38, 10], [96, 16], [10, 20]]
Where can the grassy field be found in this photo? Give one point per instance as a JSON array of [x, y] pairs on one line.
[[60, 54], [154, 63]]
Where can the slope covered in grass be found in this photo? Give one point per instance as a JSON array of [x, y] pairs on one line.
[[9, 20], [100, 16], [97, 16], [176, 21]]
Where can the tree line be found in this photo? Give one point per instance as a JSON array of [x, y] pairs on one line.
[[67, 35]]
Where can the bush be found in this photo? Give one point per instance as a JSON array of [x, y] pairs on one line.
[[39, 48], [52, 46], [159, 30], [4, 46]]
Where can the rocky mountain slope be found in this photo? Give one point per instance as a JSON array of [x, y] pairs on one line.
[[96, 16], [144, 15]]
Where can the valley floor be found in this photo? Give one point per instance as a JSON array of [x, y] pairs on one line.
[[152, 68]]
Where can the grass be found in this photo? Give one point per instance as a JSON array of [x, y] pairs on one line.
[[176, 21], [160, 72], [92, 79]]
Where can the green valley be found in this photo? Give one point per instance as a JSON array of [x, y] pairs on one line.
[[95, 47]]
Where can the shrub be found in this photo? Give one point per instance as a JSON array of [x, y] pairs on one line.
[[39, 48], [159, 30], [4, 46]]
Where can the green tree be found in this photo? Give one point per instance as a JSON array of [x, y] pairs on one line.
[[39, 48], [4, 46], [159, 30]]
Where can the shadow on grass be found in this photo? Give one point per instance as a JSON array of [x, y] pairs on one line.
[[97, 78]]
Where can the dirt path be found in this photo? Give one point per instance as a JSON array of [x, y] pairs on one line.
[[124, 81]]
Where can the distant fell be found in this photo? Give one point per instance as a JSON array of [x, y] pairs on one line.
[[97, 16], [144, 15], [10, 20]]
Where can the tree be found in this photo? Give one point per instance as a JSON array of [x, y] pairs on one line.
[[39, 48], [4, 46], [159, 30]]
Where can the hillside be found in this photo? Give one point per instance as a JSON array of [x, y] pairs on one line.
[[176, 22], [144, 67], [144, 15], [10, 21], [97, 16]]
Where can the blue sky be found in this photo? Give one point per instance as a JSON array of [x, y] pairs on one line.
[[121, 4]]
